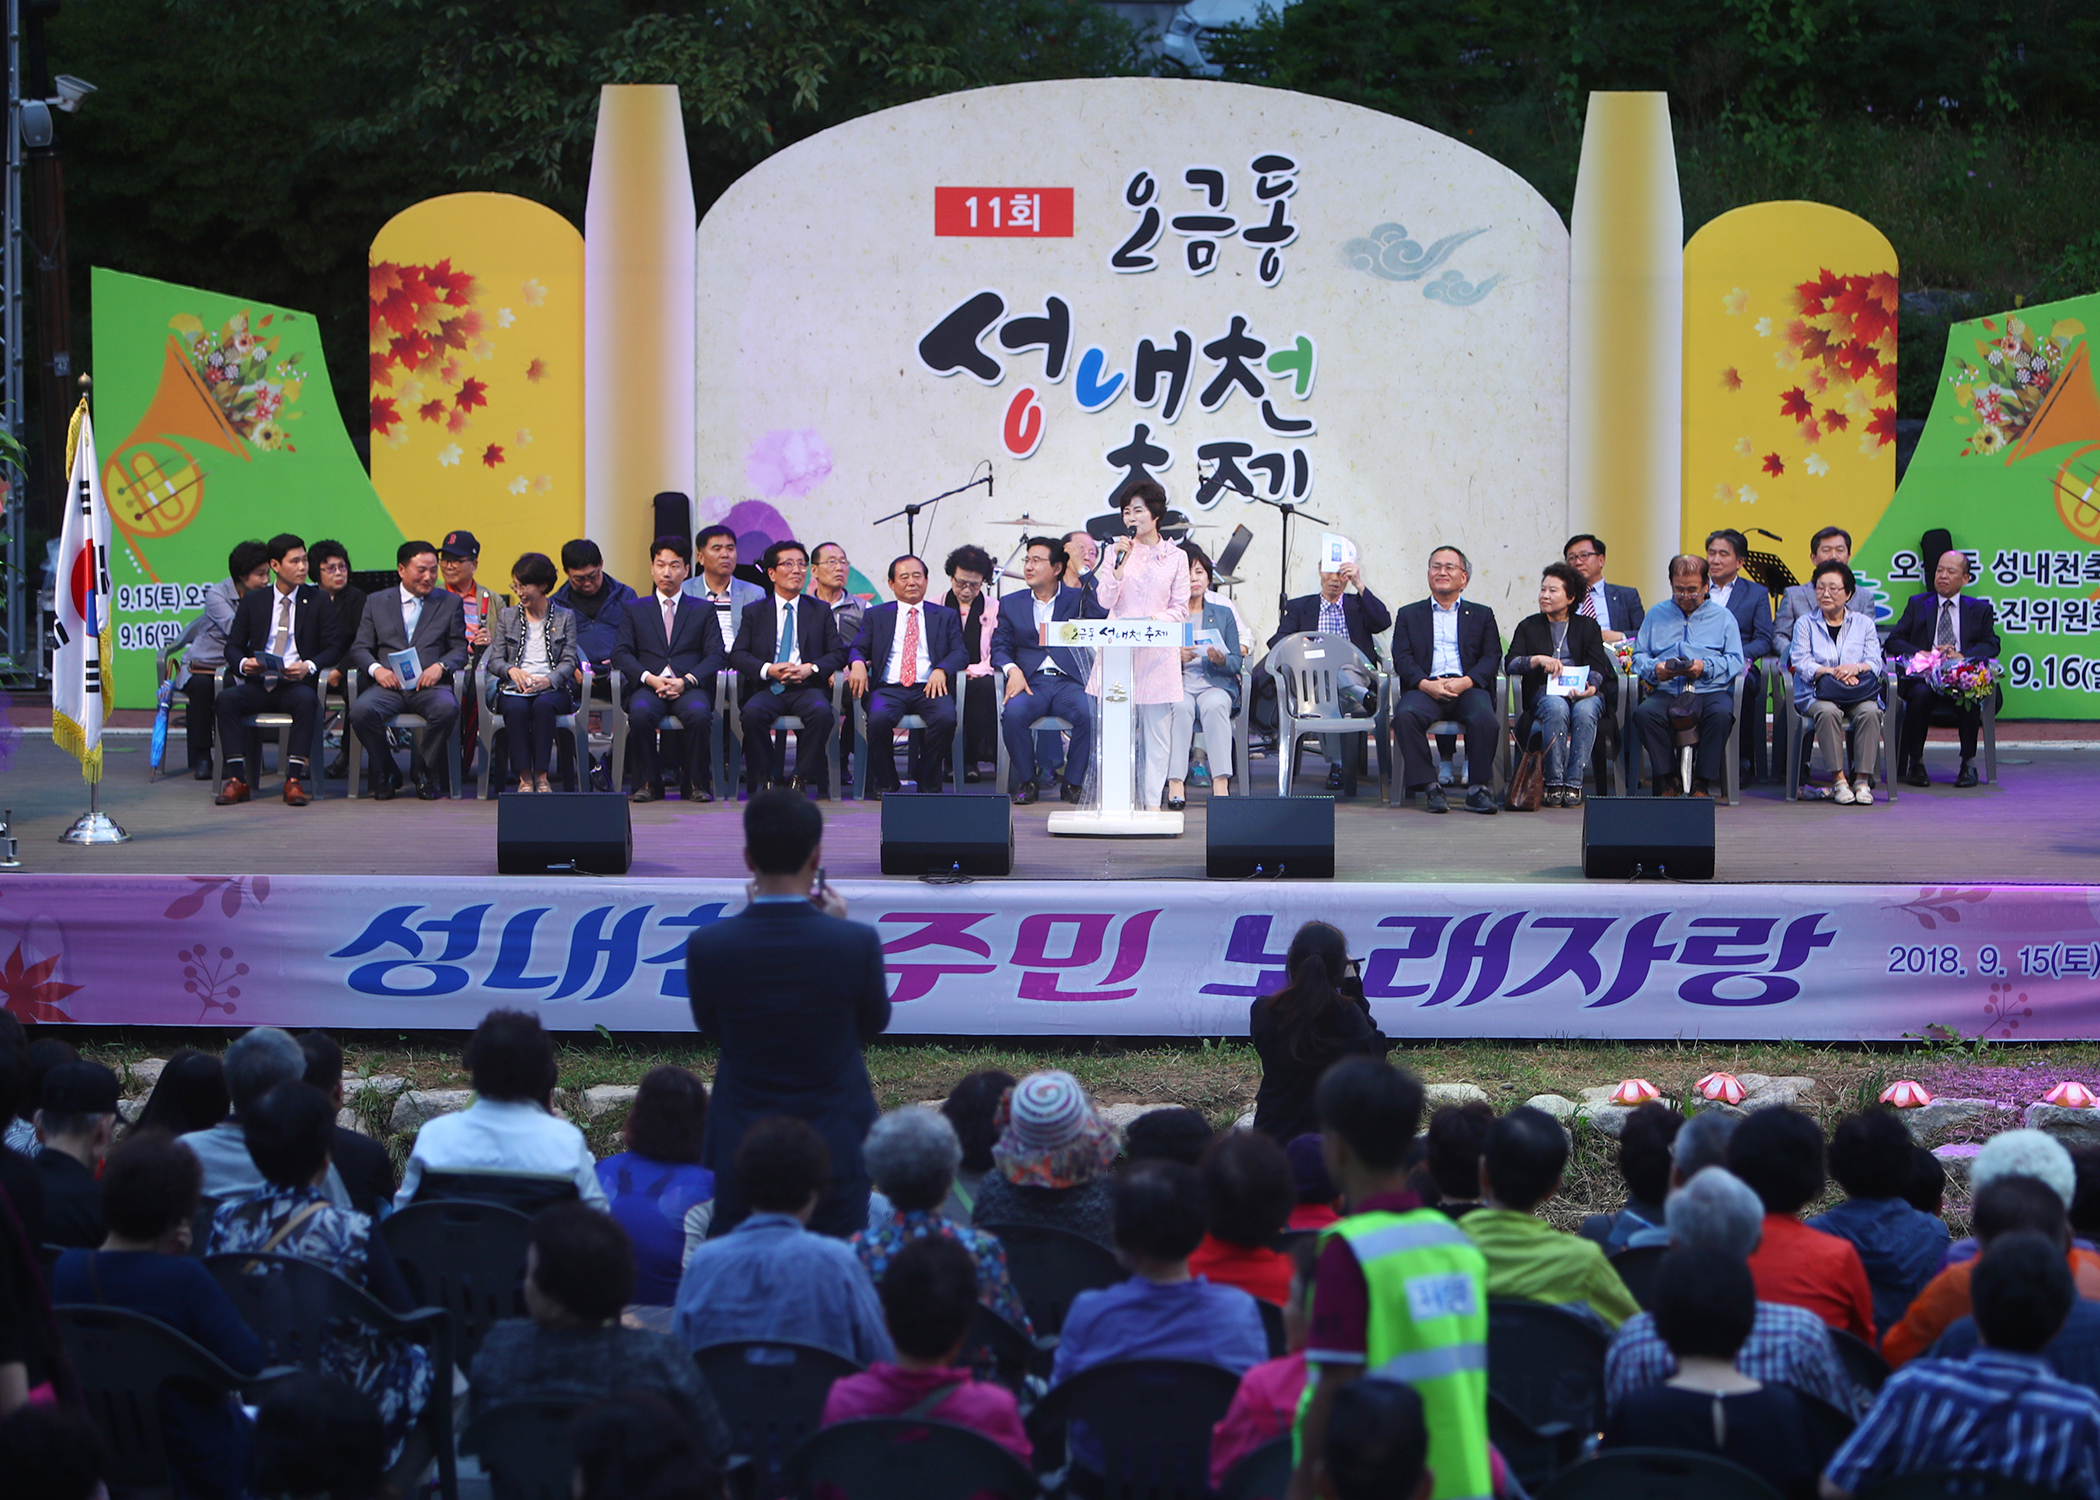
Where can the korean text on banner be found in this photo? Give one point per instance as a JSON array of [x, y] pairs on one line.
[[80, 668]]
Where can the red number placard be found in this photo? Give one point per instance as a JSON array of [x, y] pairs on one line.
[[1003, 213]]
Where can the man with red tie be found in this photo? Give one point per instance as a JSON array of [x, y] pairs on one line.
[[906, 660], [669, 646]]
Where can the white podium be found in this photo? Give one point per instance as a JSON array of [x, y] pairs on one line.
[[1117, 815]]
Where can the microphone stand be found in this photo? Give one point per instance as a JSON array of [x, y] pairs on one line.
[[1287, 510], [911, 512]]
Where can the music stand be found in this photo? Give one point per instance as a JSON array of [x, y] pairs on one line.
[[1235, 549], [1285, 508]]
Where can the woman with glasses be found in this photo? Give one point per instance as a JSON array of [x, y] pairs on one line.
[[1836, 659]]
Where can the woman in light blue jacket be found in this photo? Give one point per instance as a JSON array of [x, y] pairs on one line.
[[1832, 644], [1210, 688]]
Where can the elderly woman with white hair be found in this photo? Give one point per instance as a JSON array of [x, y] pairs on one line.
[[1715, 1210], [911, 1156]]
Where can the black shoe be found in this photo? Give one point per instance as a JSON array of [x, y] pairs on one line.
[[1025, 794], [1334, 778], [339, 769], [1967, 776], [1177, 804], [429, 791], [647, 794], [1480, 800], [1434, 799], [698, 794], [201, 770], [1701, 787], [1914, 774], [384, 791], [970, 776], [1073, 794]]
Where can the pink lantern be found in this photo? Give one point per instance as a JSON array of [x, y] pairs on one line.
[[2071, 1096], [1634, 1091], [1905, 1094], [1722, 1088]]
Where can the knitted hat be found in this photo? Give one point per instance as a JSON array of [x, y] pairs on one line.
[[1309, 1171], [1049, 1134]]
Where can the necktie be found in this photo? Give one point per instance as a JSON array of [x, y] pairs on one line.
[[1946, 636], [670, 620], [786, 643], [283, 635], [1589, 604], [411, 617], [908, 669]]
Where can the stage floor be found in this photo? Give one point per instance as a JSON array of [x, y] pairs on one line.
[[2037, 827]]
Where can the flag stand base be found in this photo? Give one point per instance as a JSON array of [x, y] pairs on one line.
[[94, 826]]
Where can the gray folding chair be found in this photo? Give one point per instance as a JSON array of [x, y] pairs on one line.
[[354, 685], [1731, 766], [1944, 715], [1513, 710], [791, 722], [579, 737], [911, 723], [1047, 722], [254, 725], [1308, 701], [1796, 731]]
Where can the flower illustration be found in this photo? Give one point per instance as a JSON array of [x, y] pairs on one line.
[[28, 990], [209, 978], [1816, 464], [448, 455]]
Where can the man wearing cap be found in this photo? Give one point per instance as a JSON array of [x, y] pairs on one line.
[[76, 1122], [459, 556]]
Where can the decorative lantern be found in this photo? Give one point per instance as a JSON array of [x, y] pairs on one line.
[[1905, 1094], [1634, 1091], [2071, 1096], [1722, 1088]]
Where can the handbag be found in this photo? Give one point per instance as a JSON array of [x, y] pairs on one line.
[[1830, 690], [1527, 789]]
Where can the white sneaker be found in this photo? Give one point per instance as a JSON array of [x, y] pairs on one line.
[[1841, 791], [1863, 794]]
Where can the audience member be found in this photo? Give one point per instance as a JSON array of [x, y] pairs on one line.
[[907, 659], [2085, 1193], [1704, 1308], [319, 1436], [1305, 1027], [1210, 687], [1363, 1314], [1750, 602], [1954, 626], [531, 670], [911, 1154], [669, 651], [1616, 607], [1050, 1165], [1787, 1346], [1899, 1247], [77, 1121], [1378, 1444], [1266, 1404], [1559, 719], [38, 1059], [289, 1131], [1446, 652], [929, 1297], [330, 565], [1836, 660], [657, 1188], [203, 647], [829, 571], [596, 599], [459, 559], [363, 1164], [972, 1107], [510, 1127], [281, 644], [1778, 1153], [969, 569], [790, 991], [787, 656], [1175, 1133], [1456, 1136], [1146, 577], [28, 1336], [1644, 1163], [1701, 1142], [636, 1448], [716, 581], [190, 1094], [1316, 1191], [2018, 1153], [19, 1178], [579, 1273], [1248, 1196], [258, 1060], [1082, 552], [1528, 1259], [416, 622], [2000, 1410], [1925, 1189], [1690, 653], [770, 1277], [1359, 617], [1831, 544], [51, 1454], [1161, 1312], [1044, 681], [149, 1193]]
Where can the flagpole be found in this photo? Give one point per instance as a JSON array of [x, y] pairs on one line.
[[95, 826], [83, 550]]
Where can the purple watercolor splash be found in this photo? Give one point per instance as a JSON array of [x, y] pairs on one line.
[[788, 461]]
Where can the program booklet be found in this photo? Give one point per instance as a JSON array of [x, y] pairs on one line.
[[407, 665], [1567, 681]]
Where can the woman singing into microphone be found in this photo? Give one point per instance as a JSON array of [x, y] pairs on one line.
[[1147, 578]]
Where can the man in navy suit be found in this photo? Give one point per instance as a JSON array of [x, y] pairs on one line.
[[294, 621], [910, 653], [790, 991], [1336, 611], [786, 649], [1043, 681], [1751, 604], [1616, 607], [1445, 654], [668, 646], [1956, 626]]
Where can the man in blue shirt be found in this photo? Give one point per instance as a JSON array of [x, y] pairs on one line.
[[1690, 652]]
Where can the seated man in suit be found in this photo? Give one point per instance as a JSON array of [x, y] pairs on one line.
[[1043, 681], [1831, 544], [1751, 604], [1955, 626], [1445, 654], [293, 622], [1616, 607], [786, 650], [421, 617], [715, 583], [1691, 652], [911, 653], [1334, 611], [667, 647]]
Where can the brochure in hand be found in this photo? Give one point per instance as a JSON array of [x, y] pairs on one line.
[[407, 665]]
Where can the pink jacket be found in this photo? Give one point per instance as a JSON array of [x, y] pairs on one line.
[[1262, 1410], [886, 1391], [1154, 586]]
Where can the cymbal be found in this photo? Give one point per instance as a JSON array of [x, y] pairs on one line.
[[1023, 521]]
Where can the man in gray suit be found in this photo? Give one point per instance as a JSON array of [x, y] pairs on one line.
[[422, 616]]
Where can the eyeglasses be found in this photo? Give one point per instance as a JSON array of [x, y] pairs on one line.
[[1576, 557], [1445, 568]]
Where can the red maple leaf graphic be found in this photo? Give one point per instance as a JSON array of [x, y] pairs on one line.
[[492, 455], [32, 994], [381, 363], [1794, 403], [1774, 464], [1731, 379], [384, 416], [1807, 297], [1881, 286], [432, 410], [1813, 341], [536, 371], [1835, 420], [472, 393], [1883, 425], [1870, 320]]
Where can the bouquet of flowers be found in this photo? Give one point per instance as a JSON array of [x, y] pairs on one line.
[[1622, 653], [242, 375], [1966, 682], [2006, 386]]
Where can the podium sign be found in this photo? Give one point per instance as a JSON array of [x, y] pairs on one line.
[[1116, 815]]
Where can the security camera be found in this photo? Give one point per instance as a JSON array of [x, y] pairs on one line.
[[71, 91], [36, 124]]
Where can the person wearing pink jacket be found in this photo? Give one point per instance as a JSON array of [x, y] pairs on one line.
[[1147, 578]]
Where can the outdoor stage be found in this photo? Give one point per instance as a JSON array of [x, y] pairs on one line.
[[1970, 909]]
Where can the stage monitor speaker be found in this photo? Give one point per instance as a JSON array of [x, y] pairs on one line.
[[936, 833], [674, 517], [570, 832], [1269, 836], [1625, 837]]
